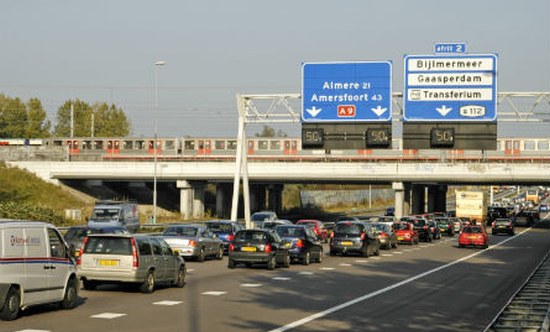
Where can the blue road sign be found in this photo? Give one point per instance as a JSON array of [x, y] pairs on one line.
[[346, 91], [450, 88], [441, 48]]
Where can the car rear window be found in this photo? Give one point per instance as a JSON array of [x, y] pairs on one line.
[[502, 222], [180, 231], [254, 237], [220, 228], [348, 228], [401, 226], [418, 222], [108, 246], [295, 232], [472, 230]]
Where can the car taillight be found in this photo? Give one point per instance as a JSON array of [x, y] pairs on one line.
[[408, 235], [300, 243], [230, 237], [267, 248], [192, 243], [135, 259], [231, 247], [425, 227], [332, 235], [383, 234], [81, 251], [363, 236]]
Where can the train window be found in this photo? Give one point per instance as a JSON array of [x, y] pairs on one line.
[[543, 145], [189, 145], [169, 145], [98, 145], [140, 145], [109, 145], [117, 145], [150, 145], [232, 145], [219, 145], [275, 145], [263, 145], [87, 145], [127, 145], [529, 145]]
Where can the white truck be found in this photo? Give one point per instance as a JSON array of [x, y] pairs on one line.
[[471, 204]]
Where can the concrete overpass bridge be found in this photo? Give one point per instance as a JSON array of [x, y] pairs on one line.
[[410, 180]]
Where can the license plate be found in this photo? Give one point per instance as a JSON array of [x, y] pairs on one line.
[[347, 243], [287, 245], [249, 249], [400, 238], [107, 262], [472, 237]]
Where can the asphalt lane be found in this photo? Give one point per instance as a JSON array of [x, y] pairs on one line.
[[460, 297]]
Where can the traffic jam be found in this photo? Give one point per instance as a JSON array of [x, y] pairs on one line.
[[146, 261]]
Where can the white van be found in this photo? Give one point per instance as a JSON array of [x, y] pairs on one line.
[[114, 213], [35, 268]]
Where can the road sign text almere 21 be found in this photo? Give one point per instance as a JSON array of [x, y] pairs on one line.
[[346, 91], [450, 88]]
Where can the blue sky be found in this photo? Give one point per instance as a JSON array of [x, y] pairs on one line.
[[104, 50]]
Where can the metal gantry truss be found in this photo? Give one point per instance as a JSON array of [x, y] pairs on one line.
[[279, 108]]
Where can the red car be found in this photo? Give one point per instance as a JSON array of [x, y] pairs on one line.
[[473, 235], [405, 232], [317, 227]]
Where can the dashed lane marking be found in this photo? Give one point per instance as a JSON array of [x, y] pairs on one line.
[[167, 303], [306, 273], [30, 330], [387, 255], [251, 285], [360, 261], [344, 264], [281, 278], [214, 293], [108, 315], [327, 268]]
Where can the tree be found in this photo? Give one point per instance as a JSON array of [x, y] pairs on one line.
[[37, 124], [20, 120], [267, 131], [106, 121]]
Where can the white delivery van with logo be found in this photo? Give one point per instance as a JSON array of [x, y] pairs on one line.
[[35, 268]]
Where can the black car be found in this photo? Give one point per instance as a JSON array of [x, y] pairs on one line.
[[354, 237], [502, 225], [304, 246], [263, 246], [225, 230], [422, 227]]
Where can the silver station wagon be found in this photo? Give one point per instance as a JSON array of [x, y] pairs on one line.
[[140, 259]]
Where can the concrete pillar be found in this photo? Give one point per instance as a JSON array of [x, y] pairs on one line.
[[275, 193], [399, 198], [417, 198], [223, 200], [407, 199], [257, 197], [186, 198], [437, 198], [199, 189]]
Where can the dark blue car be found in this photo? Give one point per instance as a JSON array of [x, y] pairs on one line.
[[225, 230]]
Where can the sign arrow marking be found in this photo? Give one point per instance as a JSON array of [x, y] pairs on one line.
[[379, 110], [314, 111], [444, 110]]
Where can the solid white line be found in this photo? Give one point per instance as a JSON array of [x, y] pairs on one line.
[[384, 290]]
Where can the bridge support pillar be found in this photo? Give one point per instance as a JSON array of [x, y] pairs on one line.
[[407, 199], [191, 199], [223, 200], [437, 198], [257, 197], [275, 202], [417, 198], [399, 189]]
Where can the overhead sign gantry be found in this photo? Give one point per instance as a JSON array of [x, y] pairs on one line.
[[346, 105], [450, 101]]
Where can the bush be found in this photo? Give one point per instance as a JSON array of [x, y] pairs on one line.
[[23, 211]]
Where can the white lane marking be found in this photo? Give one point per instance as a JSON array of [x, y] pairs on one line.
[[306, 273], [377, 258], [344, 264], [282, 278], [190, 270], [407, 250], [360, 261], [167, 303], [214, 293], [423, 246], [30, 330], [327, 268], [251, 285], [386, 289], [398, 252], [387, 255], [107, 315]]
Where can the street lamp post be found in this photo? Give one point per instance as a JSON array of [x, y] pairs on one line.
[[157, 64]]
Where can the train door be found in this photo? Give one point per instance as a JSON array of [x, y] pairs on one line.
[[250, 145], [511, 147], [113, 146], [151, 149], [290, 147], [205, 147], [73, 147]]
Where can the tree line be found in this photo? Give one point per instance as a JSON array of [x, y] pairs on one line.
[[19, 119]]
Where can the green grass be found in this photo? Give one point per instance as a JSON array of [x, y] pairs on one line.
[[25, 196]]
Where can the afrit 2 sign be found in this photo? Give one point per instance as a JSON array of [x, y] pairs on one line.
[[450, 88], [346, 91]]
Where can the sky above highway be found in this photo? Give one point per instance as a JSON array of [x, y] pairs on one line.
[[105, 50]]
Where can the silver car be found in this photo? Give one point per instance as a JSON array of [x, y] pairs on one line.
[[141, 259], [194, 241]]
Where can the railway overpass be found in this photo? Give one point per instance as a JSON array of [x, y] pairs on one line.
[[409, 179]]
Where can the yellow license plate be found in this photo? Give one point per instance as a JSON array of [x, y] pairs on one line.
[[107, 262], [472, 237], [400, 238], [249, 249], [347, 243], [287, 245]]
